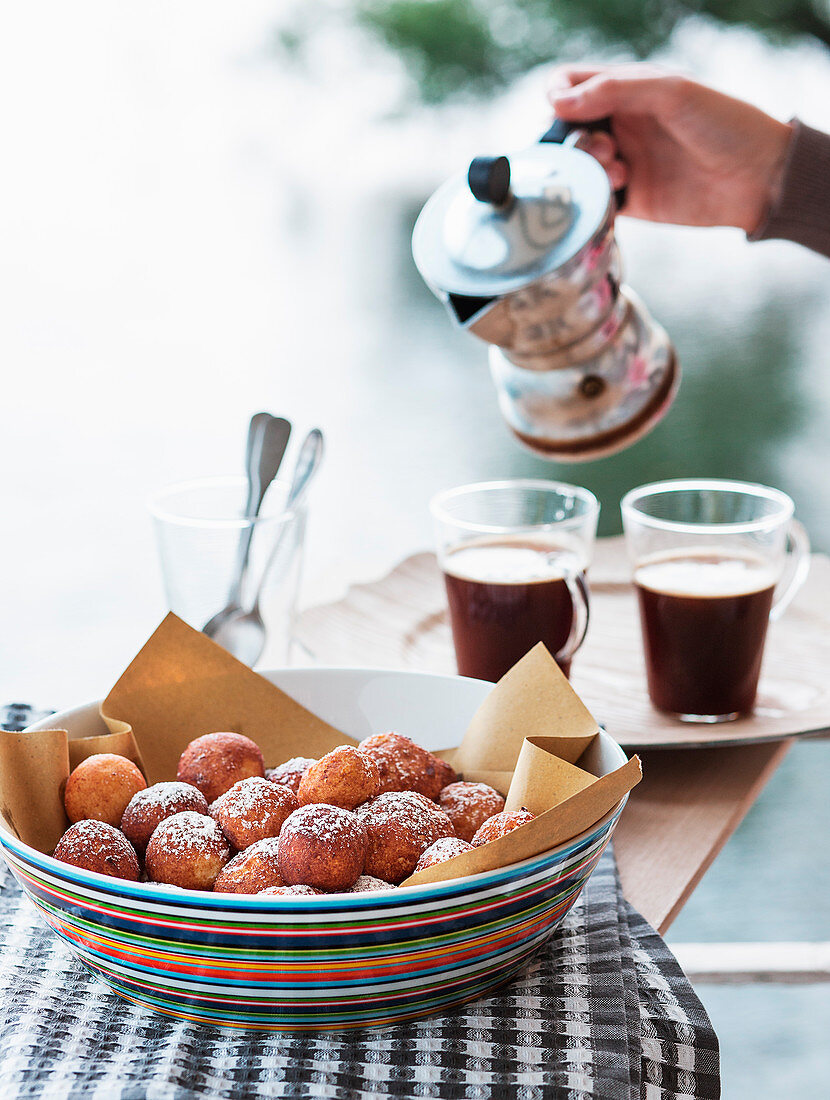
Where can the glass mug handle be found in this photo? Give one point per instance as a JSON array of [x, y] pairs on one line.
[[798, 551], [580, 598]]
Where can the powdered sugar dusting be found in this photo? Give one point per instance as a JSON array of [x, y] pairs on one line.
[[89, 830], [189, 832], [470, 796], [291, 772], [501, 824], [469, 805], [168, 797], [99, 847], [267, 849], [281, 890], [269, 846], [251, 870], [321, 822], [254, 801], [92, 837], [401, 761], [407, 812], [368, 884], [446, 848]]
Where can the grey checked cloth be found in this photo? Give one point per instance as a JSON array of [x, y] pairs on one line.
[[603, 1012]]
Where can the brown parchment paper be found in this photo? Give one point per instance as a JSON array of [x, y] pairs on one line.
[[33, 772], [533, 699], [182, 685], [526, 740], [122, 743]]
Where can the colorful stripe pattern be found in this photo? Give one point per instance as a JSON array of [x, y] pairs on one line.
[[295, 964]]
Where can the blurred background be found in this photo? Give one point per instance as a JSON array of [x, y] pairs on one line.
[[206, 210]]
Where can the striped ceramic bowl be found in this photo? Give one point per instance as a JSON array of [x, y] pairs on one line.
[[311, 963]]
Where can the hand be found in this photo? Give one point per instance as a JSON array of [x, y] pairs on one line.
[[686, 153]]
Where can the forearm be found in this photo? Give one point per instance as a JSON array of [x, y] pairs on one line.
[[800, 211]]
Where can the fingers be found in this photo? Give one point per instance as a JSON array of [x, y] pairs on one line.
[[604, 149], [565, 77], [600, 145], [611, 91], [618, 175]]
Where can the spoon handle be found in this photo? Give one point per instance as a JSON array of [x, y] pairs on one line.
[[267, 440], [308, 461], [277, 431], [256, 432]]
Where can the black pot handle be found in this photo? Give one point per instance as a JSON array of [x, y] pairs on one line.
[[560, 129]]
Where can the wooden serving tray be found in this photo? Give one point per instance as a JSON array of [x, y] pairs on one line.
[[400, 621]]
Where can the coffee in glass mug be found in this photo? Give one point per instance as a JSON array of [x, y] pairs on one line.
[[708, 558], [514, 556]]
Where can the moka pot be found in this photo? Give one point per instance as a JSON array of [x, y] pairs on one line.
[[522, 252]]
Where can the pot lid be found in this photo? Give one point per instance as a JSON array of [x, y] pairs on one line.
[[509, 221]]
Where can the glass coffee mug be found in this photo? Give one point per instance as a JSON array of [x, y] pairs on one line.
[[713, 562], [514, 556]]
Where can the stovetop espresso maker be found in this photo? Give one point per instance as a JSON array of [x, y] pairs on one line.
[[522, 252]]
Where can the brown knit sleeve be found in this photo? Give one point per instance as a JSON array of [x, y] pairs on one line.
[[802, 212]]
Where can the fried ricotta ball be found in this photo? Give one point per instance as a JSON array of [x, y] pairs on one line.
[[253, 809], [400, 826], [96, 846], [405, 766], [215, 762], [322, 846], [343, 777], [499, 825], [187, 850], [291, 772], [252, 871], [100, 788], [446, 848], [468, 805], [147, 809]]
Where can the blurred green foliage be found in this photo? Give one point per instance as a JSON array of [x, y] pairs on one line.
[[454, 48]]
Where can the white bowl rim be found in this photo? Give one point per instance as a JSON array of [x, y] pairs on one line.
[[207, 899]]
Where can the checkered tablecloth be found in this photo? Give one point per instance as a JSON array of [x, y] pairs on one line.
[[603, 1012]]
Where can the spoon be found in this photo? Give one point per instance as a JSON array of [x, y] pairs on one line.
[[267, 439], [242, 633]]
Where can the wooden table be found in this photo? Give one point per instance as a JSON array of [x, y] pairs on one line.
[[689, 803], [680, 816]]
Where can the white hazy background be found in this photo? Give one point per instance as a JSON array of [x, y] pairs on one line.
[[190, 233]]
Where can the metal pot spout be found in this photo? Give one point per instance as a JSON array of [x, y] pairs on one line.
[[465, 309]]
